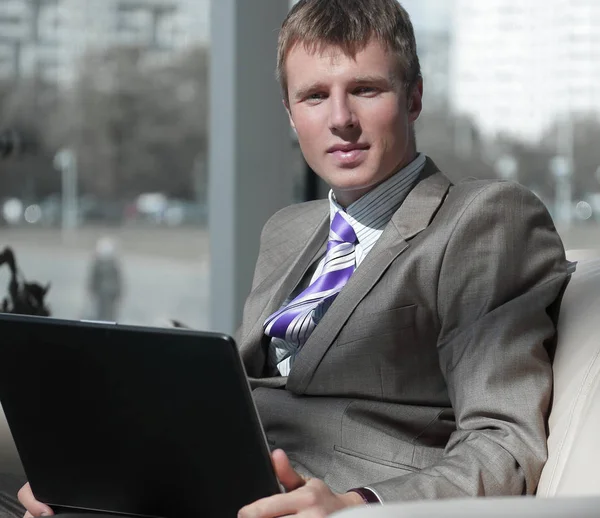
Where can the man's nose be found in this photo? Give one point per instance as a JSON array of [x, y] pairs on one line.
[[342, 116]]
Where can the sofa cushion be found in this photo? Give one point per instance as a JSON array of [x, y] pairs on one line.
[[574, 424]]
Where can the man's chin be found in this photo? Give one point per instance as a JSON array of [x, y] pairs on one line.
[[347, 193]]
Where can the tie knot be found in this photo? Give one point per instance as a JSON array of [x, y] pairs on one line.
[[341, 230]]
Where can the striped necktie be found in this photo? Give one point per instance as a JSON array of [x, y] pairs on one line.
[[295, 322]]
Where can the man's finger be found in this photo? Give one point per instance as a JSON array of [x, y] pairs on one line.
[[279, 506], [29, 502], [288, 477]]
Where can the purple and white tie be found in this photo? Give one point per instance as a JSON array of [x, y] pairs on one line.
[[295, 322]]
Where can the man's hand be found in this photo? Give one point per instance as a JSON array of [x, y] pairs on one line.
[[33, 507], [305, 498]]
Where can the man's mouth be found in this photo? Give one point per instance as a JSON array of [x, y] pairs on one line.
[[348, 154], [347, 148]]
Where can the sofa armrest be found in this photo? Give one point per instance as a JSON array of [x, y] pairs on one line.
[[513, 507]]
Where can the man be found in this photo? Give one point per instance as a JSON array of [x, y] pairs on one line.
[[396, 334], [105, 281]]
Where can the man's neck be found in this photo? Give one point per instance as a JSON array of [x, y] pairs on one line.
[[348, 197]]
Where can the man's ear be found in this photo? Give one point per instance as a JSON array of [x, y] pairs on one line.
[[287, 109], [415, 101]]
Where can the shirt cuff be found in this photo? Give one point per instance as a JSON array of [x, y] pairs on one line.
[[367, 494]]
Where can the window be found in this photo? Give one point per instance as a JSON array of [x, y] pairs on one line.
[[539, 77], [106, 202]]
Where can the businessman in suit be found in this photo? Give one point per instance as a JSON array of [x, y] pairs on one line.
[[397, 335], [428, 374]]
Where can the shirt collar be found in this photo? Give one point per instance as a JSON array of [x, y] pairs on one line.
[[375, 209]]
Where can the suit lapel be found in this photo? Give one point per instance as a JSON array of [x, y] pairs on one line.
[[412, 217], [422, 203], [279, 284]]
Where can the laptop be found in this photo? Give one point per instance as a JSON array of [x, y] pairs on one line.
[[132, 420]]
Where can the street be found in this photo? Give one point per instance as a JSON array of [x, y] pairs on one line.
[[165, 270]]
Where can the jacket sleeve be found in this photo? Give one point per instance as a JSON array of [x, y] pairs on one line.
[[503, 269]]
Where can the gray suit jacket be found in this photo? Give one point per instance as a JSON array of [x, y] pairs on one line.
[[429, 376]]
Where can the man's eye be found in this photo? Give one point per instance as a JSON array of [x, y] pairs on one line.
[[315, 97], [365, 90]]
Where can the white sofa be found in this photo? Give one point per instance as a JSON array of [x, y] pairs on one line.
[[570, 482]]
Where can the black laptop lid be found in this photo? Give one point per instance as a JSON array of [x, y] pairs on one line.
[[156, 422]]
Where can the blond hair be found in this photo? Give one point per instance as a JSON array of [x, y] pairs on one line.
[[350, 25]]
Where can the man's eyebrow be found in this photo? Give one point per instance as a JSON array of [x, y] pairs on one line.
[[372, 79], [304, 90]]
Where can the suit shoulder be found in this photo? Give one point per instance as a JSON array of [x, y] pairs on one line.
[[300, 209], [296, 214], [475, 187], [487, 210], [498, 195]]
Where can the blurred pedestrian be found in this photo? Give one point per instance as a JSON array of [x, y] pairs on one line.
[[105, 283]]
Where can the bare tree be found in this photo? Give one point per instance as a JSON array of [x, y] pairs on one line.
[[138, 127]]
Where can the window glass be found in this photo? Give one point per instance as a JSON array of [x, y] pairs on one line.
[[511, 92], [103, 153]]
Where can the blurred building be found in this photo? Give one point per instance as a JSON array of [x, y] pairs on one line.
[[517, 67], [432, 23], [47, 38]]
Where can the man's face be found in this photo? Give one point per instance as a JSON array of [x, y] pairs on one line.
[[353, 116]]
